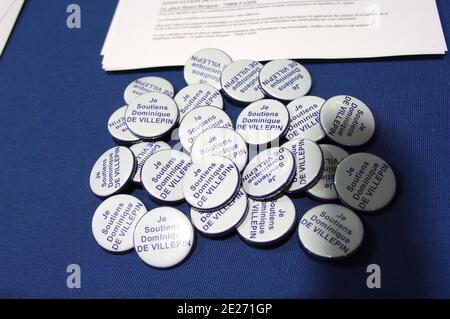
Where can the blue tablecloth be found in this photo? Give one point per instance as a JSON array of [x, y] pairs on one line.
[[55, 100]]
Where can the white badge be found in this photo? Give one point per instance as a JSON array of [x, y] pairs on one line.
[[263, 122], [112, 171], [163, 173], [365, 182], [240, 81], [268, 222], [285, 80], [142, 151], [206, 66], [347, 120], [211, 183], [198, 121], [151, 115], [149, 84], [114, 221], [197, 95], [163, 237], [304, 113], [268, 173], [324, 188], [330, 231], [308, 161], [221, 141], [118, 128], [223, 221]]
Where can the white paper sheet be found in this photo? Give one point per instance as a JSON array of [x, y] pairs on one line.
[[164, 33], [9, 11]]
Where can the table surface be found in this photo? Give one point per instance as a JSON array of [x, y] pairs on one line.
[[55, 100]]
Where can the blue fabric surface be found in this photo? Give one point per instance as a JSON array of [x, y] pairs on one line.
[[55, 101]]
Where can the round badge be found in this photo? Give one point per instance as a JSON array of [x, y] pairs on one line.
[[324, 188], [112, 171], [164, 237], [162, 175], [330, 231], [285, 80], [365, 182], [223, 142], [151, 115], [199, 120], [308, 161], [142, 151], [206, 66], [263, 122], [149, 84], [347, 120], [240, 81], [211, 183], [197, 95], [114, 221], [268, 173], [268, 222], [118, 128], [223, 221], [304, 113]]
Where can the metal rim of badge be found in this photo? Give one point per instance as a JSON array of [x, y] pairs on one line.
[[164, 237], [197, 95], [223, 221], [324, 189], [206, 66], [268, 173], [199, 120], [283, 221], [149, 84], [240, 81], [118, 128], [305, 113], [142, 151], [151, 115], [263, 122], [221, 141], [211, 183], [308, 162], [114, 220], [330, 231], [285, 79], [118, 162], [347, 120], [365, 182], [162, 175]]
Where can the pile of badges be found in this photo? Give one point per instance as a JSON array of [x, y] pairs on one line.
[[236, 176]]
